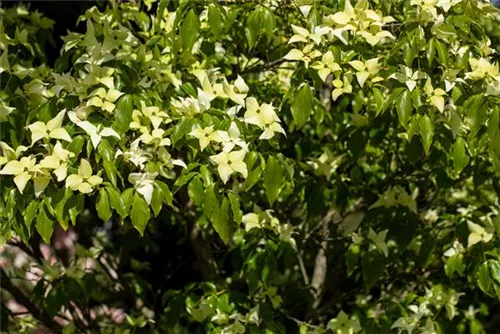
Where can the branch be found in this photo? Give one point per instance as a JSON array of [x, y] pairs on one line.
[[19, 296], [302, 268], [263, 67], [201, 247], [320, 263]]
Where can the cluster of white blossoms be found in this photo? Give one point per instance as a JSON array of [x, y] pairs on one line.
[[147, 136], [232, 145]]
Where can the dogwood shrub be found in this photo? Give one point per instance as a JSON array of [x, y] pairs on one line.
[[248, 167]]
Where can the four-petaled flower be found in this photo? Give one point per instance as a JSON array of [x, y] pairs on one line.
[[143, 184], [84, 181], [53, 129], [96, 133], [58, 161], [264, 117], [24, 170], [326, 66], [230, 138], [229, 163], [104, 100], [342, 324], [205, 135], [366, 69]]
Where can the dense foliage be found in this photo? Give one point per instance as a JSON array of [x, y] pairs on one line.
[[252, 166]]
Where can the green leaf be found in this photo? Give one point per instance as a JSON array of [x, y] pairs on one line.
[[302, 105], [476, 113], [123, 114], [159, 14], [459, 155], [267, 22], [127, 197], [4, 62], [167, 195], [206, 175], [454, 264], [252, 28], [105, 150], [30, 213], [139, 213], [235, 206], [253, 178], [103, 205], [182, 180], [110, 169], [62, 210], [442, 52], [157, 201], [44, 225], [494, 131], [143, 20], [352, 258], [195, 190], [404, 107], [182, 128], [430, 51], [76, 145], [373, 266], [426, 130], [116, 202], [220, 220], [409, 53], [75, 206], [189, 30], [379, 101], [414, 126], [215, 21], [484, 280], [210, 202], [273, 179]]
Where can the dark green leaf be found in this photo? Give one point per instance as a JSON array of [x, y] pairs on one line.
[[373, 265], [182, 180], [252, 28], [30, 213], [189, 30], [210, 202], [442, 52], [195, 190], [127, 197], [430, 51], [220, 220], [105, 150], [110, 169], [273, 179], [235, 206], [459, 155], [404, 107], [103, 205], [76, 145], [182, 128], [302, 105], [44, 225], [167, 194], [426, 129], [157, 201], [215, 20], [123, 114], [139, 213], [62, 210], [116, 202]]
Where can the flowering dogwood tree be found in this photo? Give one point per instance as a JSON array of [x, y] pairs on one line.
[[252, 167]]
